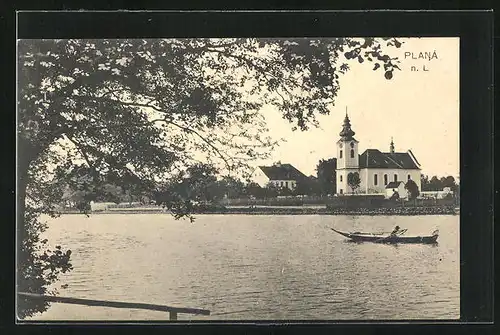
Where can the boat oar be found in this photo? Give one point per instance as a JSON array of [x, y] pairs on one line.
[[399, 233]]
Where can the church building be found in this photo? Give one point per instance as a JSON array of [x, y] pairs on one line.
[[376, 170]]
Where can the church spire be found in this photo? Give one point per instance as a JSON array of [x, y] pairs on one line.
[[392, 146], [347, 133]]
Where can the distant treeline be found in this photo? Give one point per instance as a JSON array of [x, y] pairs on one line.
[[438, 184], [202, 184]]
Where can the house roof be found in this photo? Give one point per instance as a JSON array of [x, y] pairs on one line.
[[282, 172], [394, 184], [373, 158]]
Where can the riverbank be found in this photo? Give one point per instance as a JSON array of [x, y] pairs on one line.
[[398, 211], [297, 210]]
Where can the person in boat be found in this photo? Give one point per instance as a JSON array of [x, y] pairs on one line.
[[395, 231]]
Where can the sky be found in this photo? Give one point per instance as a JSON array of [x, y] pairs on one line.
[[418, 109]]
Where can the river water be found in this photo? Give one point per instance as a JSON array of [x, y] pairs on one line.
[[257, 267]]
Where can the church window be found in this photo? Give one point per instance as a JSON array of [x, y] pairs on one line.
[[375, 179], [340, 154], [395, 177], [340, 178], [409, 177], [385, 179], [341, 191], [286, 184], [352, 153]]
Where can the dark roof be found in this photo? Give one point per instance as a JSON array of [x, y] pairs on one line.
[[373, 158], [347, 133], [393, 184], [282, 172]]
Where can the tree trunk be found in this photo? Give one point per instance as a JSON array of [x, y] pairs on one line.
[[22, 183], [26, 154]]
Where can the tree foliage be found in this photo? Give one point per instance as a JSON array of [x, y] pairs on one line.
[[231, 187], [327, 175], [437, 184], [412, 189], [254, 190], [138, 114], [308, 186], [353, 180]]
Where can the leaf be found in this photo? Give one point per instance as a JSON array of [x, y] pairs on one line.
[[388, 75], [360, 59], [377, 65]]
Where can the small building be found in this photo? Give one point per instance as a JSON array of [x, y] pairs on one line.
[[100, 206], [279, 175], [396, 186]]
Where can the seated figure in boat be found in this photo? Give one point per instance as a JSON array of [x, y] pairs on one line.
[[395, 231]]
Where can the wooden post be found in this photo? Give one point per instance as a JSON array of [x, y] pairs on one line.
[[173, 316]]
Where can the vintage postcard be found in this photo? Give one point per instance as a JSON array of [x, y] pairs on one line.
[[212, 179]]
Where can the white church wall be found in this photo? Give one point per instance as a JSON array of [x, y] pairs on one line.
[[342, 186], [367, 177], [402, 175]]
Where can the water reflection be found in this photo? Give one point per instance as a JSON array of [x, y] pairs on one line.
[[258, 267]]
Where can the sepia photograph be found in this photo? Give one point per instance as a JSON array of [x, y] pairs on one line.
[[238, 179]]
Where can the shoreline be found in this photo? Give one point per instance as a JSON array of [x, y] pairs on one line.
[[396, 211]]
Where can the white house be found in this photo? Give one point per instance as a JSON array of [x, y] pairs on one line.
[[279, 175], [437, 194], [376, 169], [396, 186]]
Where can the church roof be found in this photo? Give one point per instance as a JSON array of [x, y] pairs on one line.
[[282, 172], [373, 158], [347, 133], [393, 184]]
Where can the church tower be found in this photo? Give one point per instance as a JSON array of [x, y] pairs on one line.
[[347, 156]]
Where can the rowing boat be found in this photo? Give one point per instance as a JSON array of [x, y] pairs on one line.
[[388, 238]]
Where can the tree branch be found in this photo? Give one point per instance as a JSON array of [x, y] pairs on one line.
[[103, 99], [255, 66], [187, 129], [81, 150]]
